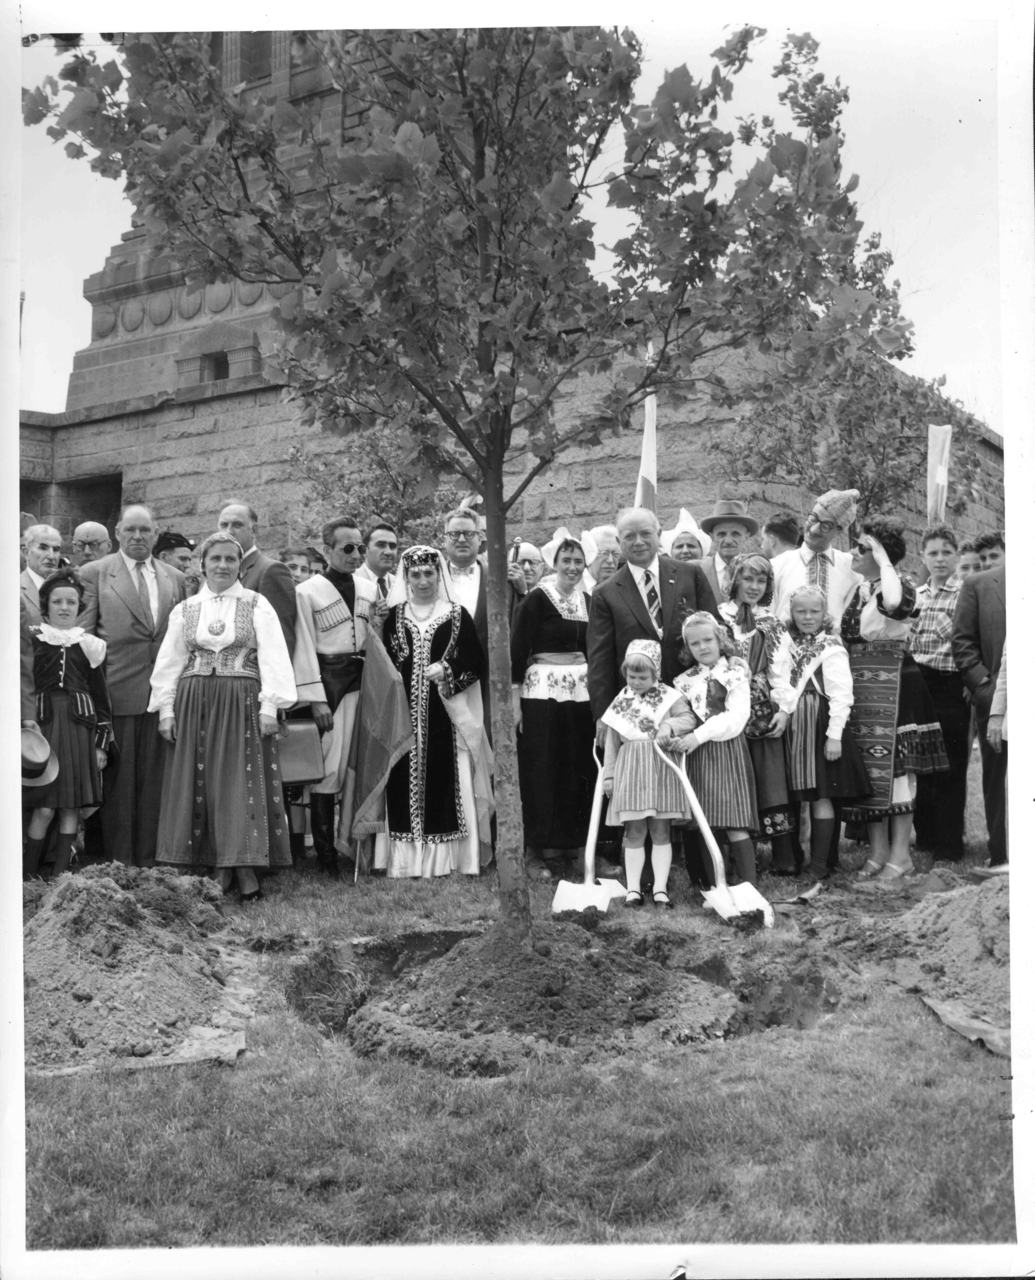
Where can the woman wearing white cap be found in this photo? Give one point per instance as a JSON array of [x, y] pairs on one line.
[[551, 710]]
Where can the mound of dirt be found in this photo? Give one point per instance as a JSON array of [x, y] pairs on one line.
[[488, 1005], [956, 946], [120, 963]]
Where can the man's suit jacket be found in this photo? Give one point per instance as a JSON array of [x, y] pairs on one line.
[[30, 600], [707, 563], [112, 609], [979, 633], [618, 614], [272, 579]]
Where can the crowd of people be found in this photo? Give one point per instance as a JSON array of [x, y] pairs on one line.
[[804, 691]]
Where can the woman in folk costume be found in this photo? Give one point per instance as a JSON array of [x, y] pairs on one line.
[[645, 796], [894, 717], [686, 540], [439, 795], [551, 709], [814, 682], [718, 689], [755, 633], [74, 711], [221, 676]]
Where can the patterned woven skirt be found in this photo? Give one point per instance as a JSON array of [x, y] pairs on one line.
[[721, 776], [896, 726], [644, 787], [222, 801], [811, 775]]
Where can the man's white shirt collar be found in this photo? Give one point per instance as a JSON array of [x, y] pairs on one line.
[[639, 570], [37, 581], [131, 564]]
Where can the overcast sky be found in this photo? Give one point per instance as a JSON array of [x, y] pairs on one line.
[[922, 132]]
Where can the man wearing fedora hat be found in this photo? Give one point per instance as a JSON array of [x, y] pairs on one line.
[[729, 527]]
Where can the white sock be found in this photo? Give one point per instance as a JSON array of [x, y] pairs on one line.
[[661, 861], [634, 860]]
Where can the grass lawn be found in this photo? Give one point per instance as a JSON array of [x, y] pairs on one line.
[[879, 1124]]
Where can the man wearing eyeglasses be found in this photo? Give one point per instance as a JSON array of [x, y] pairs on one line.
[[382, 555], [334, 609], [90, 541], [816, 562]]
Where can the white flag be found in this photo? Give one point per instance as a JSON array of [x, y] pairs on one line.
[[939, 445]]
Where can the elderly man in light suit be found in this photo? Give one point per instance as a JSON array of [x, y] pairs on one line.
[[128, 597], [42, 545]]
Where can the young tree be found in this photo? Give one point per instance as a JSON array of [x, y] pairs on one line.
[[441, 257], [864, 427]]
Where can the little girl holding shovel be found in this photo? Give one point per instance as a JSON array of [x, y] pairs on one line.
[[645, 796], [718, 689]]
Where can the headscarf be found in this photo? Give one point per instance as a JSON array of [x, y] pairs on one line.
[[685, 524], [420, 554], [648, 649]]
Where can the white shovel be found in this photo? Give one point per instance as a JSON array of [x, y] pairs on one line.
[[591, 892], [727, 901]]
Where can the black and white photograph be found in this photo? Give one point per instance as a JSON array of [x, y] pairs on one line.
[[513, 712]]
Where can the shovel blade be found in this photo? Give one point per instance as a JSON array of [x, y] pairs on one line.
[[579, 897], [747, 898], [721, 902]]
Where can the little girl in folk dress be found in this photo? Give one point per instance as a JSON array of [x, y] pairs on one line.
[[824, 764], [718, 689], [74, 712], [645, 796]]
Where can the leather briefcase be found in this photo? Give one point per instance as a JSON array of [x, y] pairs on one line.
[[301, 757]]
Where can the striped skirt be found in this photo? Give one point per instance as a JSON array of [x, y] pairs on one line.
[[721, 775], [810, 774], [644, 787]]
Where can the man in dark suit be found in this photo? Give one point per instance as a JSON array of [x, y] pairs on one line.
[[978, 636], [42, 545], [128, 597], [646, 599], [259, 572], [619, 611]]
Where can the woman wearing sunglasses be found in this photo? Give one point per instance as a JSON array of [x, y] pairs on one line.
[[893, 719]]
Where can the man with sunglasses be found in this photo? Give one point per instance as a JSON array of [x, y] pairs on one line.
[[90, 541], [816, 562], [381, 545], [334, 609]]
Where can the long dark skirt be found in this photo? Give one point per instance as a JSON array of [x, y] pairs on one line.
[[771, 794], [222, 801], [78, 783], [556, 772]]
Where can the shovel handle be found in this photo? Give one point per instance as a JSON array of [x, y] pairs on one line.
[[718, 868], [590, 855]]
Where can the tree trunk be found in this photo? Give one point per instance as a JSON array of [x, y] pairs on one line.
[[515, 915]]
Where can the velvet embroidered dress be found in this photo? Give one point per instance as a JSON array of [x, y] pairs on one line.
[[436, 801]]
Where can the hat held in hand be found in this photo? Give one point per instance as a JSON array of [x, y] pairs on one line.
[[39, 763]]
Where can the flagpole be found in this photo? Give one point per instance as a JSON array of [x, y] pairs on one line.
[[647, 480]]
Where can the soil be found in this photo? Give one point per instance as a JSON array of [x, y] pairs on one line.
[[125, 965], [130, 966]]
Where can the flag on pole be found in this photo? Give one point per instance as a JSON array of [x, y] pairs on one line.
[[939, 444], [647, 480]]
